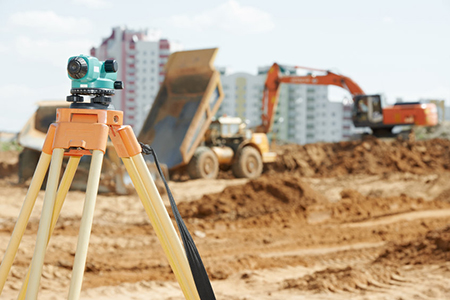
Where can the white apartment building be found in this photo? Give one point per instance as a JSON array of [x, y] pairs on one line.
[[304, 113], [141, 56], [242, 97]]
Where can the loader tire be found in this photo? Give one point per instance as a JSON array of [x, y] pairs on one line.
[[248, 163], [204, 164]]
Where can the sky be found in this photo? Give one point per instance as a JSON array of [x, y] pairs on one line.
[[397, 48]]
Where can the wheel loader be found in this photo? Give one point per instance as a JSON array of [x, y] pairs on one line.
[[182, 128]]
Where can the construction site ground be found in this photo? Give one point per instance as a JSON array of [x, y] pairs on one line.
[[352, 220]]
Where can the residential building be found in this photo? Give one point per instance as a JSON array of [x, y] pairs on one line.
[[303, 115], [347, 123], [141, 56], [243, 93]]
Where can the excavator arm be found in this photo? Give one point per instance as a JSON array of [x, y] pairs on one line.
[[275, 79]]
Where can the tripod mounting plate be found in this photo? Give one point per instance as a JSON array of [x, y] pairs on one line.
[[92, 91]]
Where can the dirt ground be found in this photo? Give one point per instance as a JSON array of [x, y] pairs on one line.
[[353, 220]]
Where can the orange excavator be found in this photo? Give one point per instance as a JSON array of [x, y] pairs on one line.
[[367, 110]]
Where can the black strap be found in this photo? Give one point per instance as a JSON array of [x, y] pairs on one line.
[[201, 278]]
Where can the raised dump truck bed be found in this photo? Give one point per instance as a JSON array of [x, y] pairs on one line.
[[185, 105]]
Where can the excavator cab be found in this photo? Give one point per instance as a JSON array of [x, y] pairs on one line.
[[367, 110]]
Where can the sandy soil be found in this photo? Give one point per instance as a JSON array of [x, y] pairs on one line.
[[330, 234]]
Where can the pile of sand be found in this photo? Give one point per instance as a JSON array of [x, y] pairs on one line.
[[433, 248], [348, 279], [355, 207], [370, 156], [284, 194], [277, 193]]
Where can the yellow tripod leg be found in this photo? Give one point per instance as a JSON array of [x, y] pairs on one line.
[[44, 224], [64, 187], [154, 206], [86, 225], [24, 216]]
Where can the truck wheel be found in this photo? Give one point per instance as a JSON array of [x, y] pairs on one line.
[[28, 160], [248, 163], [204, 164]]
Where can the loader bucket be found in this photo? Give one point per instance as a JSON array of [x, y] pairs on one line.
[[186, 102]]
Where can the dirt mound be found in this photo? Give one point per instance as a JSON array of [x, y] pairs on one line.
[[354, 207], [347, 279], [433, 248], [284, 195], [262, 196], [443, 196], [370, 156]]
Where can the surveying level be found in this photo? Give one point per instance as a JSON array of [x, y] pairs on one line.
[[92, 77], [83, 129]]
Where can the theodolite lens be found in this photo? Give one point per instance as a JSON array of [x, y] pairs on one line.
[[77, 68]]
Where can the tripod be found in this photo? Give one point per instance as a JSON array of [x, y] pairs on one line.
[[77, 132]]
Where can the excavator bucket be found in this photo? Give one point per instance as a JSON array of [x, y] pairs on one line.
[[114, 178], [186, 102]]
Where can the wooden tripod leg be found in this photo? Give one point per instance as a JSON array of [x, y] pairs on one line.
[[86, 225], [24, 217], [44, 224], [156, 211], [64, 187]]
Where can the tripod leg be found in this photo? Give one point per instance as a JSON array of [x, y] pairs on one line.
[[44, 224], [64, 187], [86, 225], [24, 216], [154, 206]]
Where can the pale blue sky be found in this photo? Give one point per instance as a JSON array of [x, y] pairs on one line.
[[398, 48]]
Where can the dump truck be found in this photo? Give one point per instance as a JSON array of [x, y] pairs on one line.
[[182, 129]]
